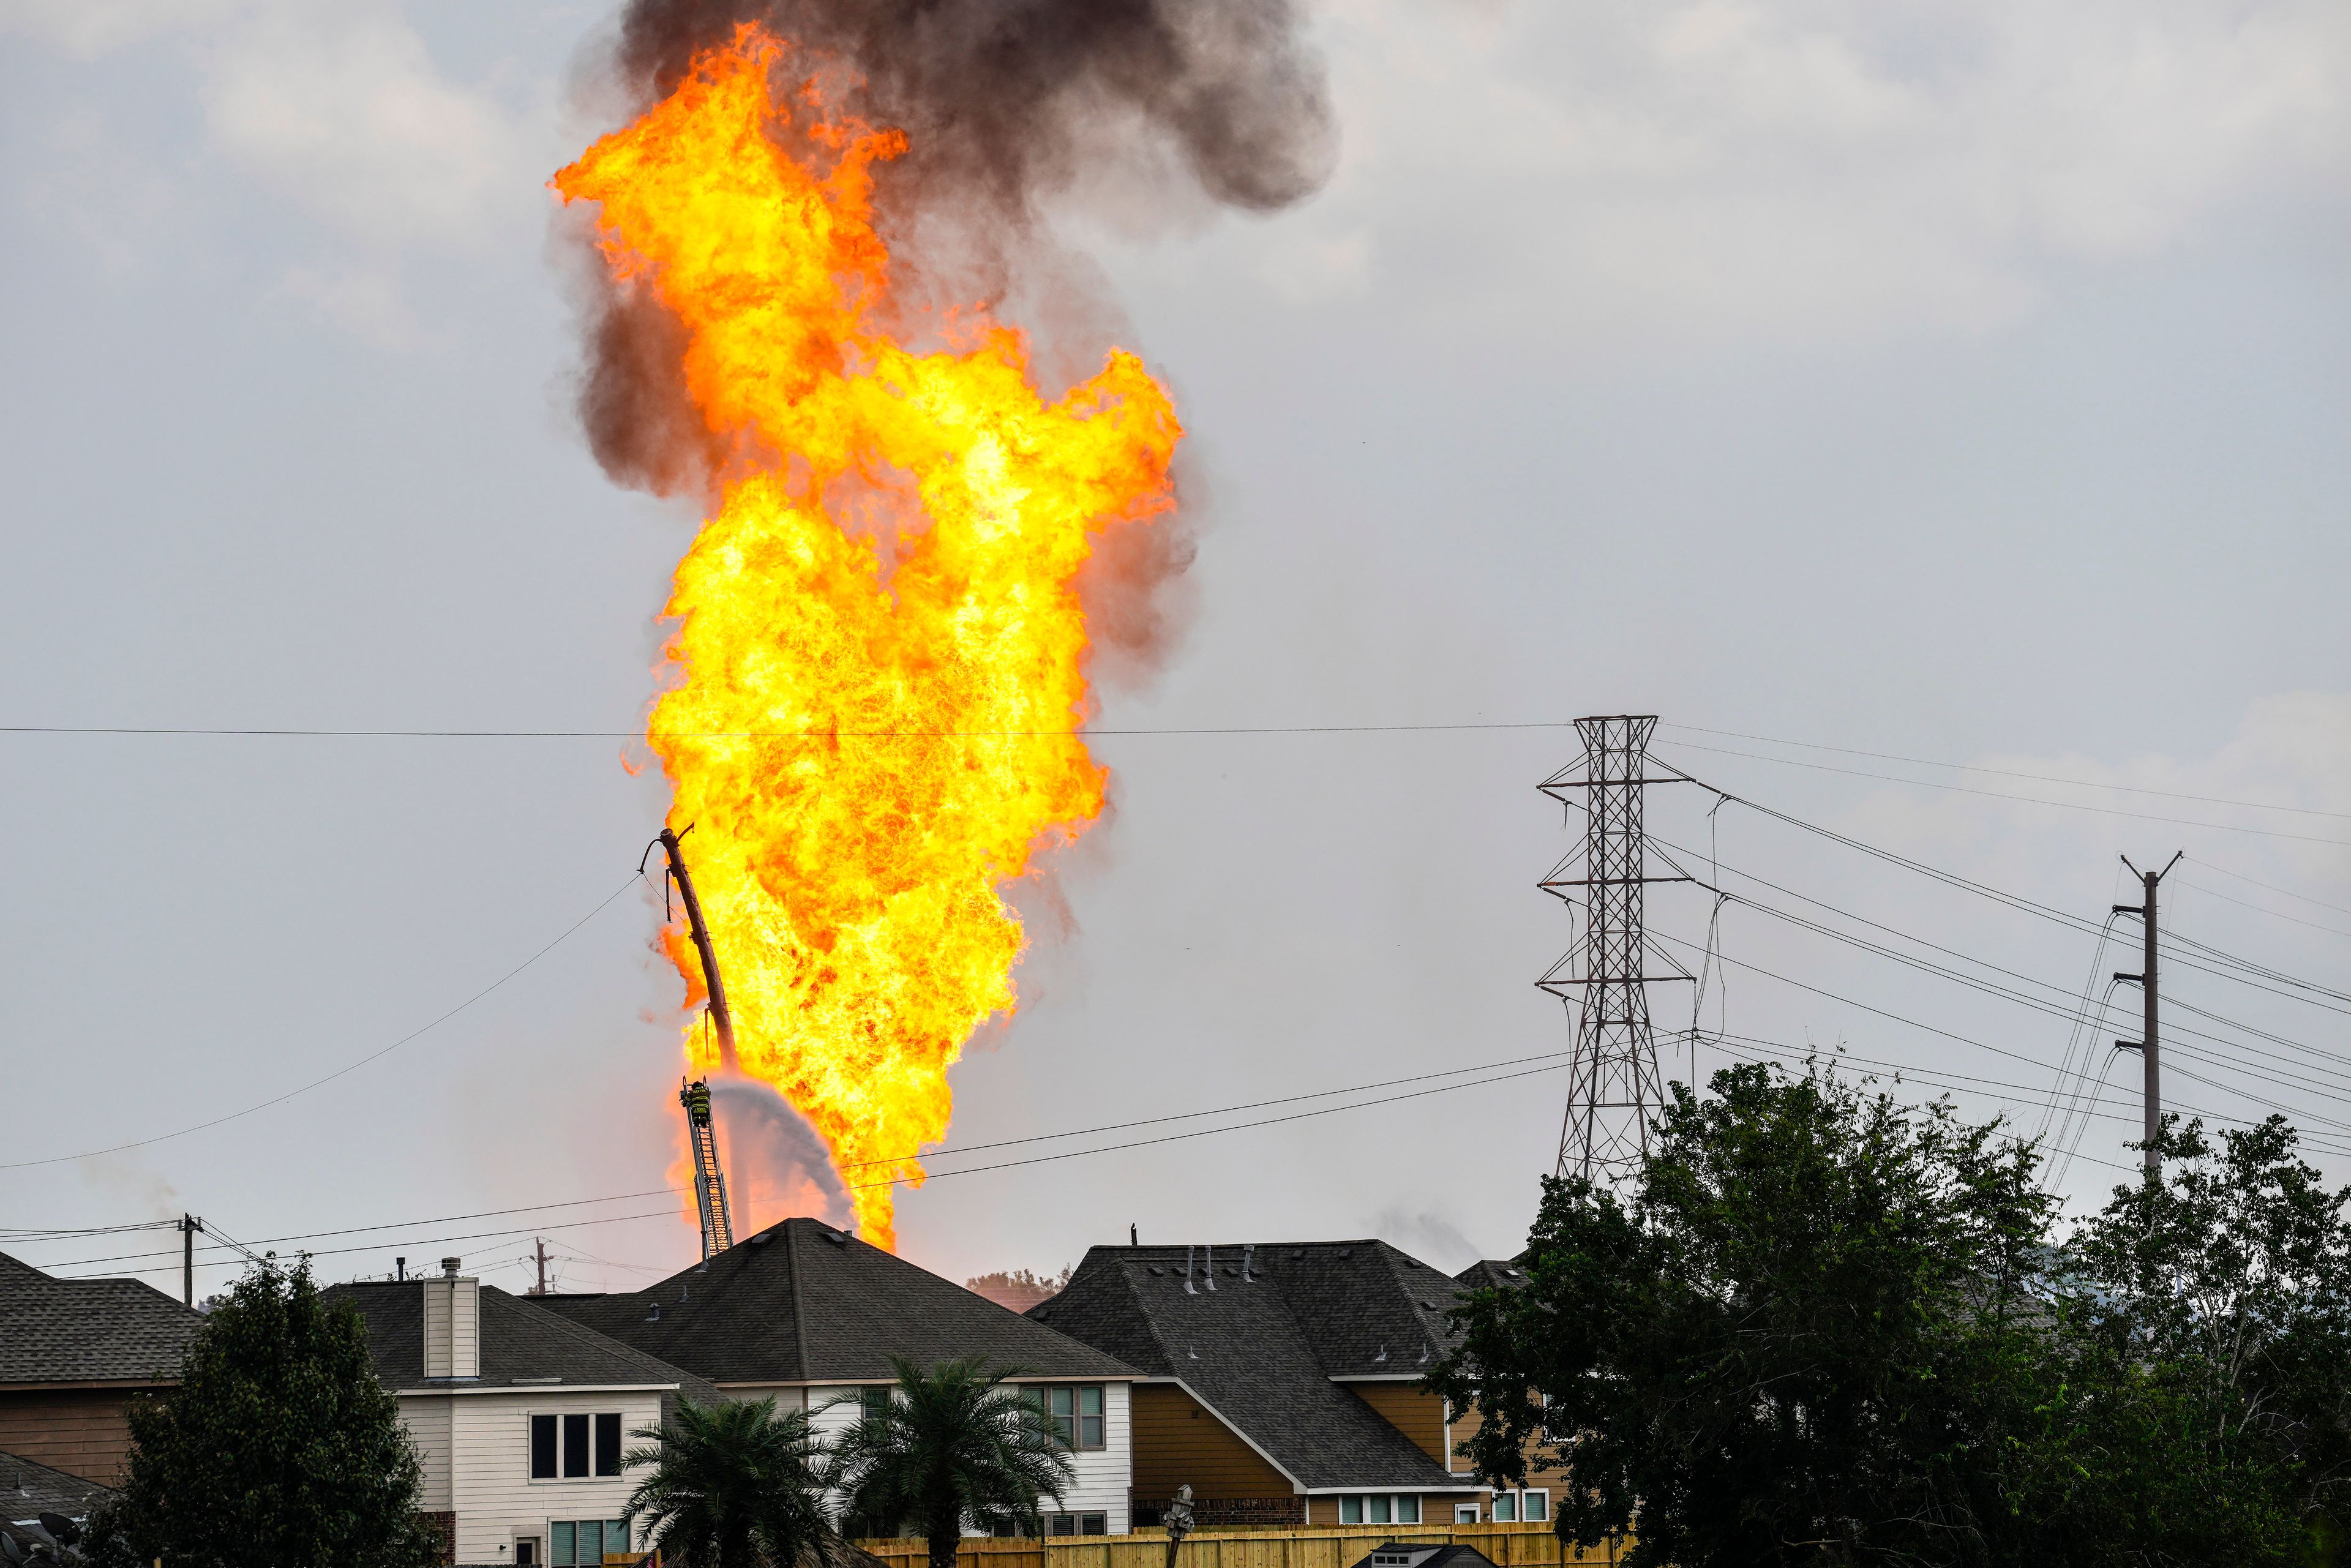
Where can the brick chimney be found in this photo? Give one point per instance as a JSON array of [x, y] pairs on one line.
[[452, 1324]]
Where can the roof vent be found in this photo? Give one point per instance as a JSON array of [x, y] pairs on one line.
[[1382, 1355], [1248, 1262], [653, 1316], [1208, 1264], [835, 1237], [763, 1238], [1346, 1252], [1157, 1271], [1298, 1252], [449, 1267]]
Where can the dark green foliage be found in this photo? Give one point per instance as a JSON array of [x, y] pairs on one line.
[[957, 1445], [733, 1485], [279, 1449], [1820, 1327]]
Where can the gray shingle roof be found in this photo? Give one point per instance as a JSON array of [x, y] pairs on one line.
[[1262, 1349], [88, 1331], [523, 1344], [802, 1303], [27, 1490], [1494, 1273]]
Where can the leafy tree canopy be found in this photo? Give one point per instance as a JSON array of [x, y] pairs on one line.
[[279, 1449], [1820, 1326]]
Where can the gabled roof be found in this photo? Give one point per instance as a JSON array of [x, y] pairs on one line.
[[1266, 1347], [1492, 1273], [88, 1331], [522, 1345], [29, 1490], [801, 1302]]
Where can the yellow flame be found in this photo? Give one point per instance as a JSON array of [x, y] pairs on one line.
[[867, 754]]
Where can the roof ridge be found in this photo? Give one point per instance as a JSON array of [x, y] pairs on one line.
[[799, 1308], [594, 1339]]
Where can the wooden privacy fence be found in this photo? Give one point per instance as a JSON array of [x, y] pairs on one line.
[[1329, 1546]]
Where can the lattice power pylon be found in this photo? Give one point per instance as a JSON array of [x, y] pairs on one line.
[[1614, 1087]]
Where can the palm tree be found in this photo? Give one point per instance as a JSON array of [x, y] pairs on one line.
[[956, 1446], [732, 1485]]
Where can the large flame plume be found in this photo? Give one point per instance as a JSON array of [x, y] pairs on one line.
[[880, 654]]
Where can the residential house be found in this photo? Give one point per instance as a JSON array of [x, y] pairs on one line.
[[74, 1355], [1280, 1382], [28, 1489], [520, 1417], [1543, 1480], [811, 1316]]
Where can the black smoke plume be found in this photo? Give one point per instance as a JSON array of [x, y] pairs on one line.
[[1003, 103]]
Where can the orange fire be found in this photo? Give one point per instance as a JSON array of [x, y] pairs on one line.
[[880, 653]]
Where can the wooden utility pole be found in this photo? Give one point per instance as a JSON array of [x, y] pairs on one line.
[[540, 1289], [189, 1225], [2150, 1045], [722, 1021]]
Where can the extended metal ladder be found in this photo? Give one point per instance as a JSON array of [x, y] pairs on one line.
[[709, 1180]]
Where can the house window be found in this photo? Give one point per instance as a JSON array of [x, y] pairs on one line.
[[1076, 1412], [1535, 1506], [575, 1446], [1506, 1508], [1077, 1524], [874, 1401], [583, 1542], [1467, 1513], [1379, 1507]]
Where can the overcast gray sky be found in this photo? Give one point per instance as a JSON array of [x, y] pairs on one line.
[[1966, 383]]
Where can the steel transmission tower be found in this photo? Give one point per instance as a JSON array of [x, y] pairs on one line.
[[1614, 1087]]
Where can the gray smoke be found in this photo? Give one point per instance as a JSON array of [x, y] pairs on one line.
[[1005, 103]]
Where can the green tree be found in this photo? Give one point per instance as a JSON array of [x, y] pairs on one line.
[[279, 1449], [1796, 1339], [733, 1485], [954, 1447], [2210, 1371], [1820, 1327]]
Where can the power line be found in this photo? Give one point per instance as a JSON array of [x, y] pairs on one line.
[[1968, 884], [346, 1067], [2264, 909], [1554, 1065], [1087, 733], [2240, 876], [2000, 772], [2026, 799]]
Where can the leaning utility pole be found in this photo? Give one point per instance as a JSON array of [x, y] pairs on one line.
[[2149, 1043], [540, 1289], [1613, 1085], [709, 1176]]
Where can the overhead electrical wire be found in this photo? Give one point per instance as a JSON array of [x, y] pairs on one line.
[[346, 1068], [2186, 958], [2025, 800], [1551, 1058], [1999, 772], [2071, 1010], [2240, 876]]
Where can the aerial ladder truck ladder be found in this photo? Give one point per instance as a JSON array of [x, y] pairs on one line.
[[709, 1180]]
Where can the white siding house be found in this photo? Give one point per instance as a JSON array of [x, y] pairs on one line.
[[520, 1417], [809, 1314]]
